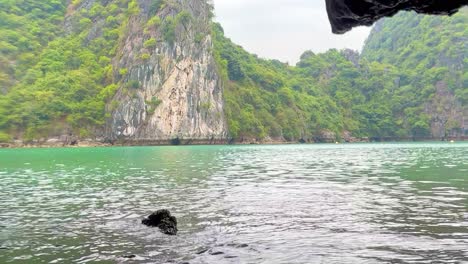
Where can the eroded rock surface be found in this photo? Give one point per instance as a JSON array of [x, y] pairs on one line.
[[346, 14], [170, 87]]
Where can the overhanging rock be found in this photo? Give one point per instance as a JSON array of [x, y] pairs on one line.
[[346, 14]]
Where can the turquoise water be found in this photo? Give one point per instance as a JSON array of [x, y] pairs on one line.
[[355, 203]]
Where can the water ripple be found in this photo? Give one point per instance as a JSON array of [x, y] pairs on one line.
[[364, 203]]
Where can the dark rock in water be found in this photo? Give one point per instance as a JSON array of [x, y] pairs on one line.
[[346, 14], [163, 220]]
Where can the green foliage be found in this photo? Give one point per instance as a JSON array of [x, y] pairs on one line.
[[57, 80], [26, 28], [152, 105], [384, 95], [416, 41], [170, 24], [150, 43], [145, 56], [133, 8], [123, 71], [4, 137], [183, 17], [169, 29], [261, 99], [429, 51], [54, 77], [133, 84], [154, 21], [199, 37], [156, 5]]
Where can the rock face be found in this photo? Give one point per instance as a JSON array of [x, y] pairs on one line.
[[441, 46], [170, 88], [163, 220], [447, 114], [346, 14]]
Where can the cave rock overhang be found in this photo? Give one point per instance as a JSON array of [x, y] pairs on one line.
[[347, 14]]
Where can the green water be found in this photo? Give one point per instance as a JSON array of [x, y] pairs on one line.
[[355, 203]]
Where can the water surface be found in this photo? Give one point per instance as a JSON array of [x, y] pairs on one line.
[[363, 203]]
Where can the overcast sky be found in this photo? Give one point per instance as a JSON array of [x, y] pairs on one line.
[[283, 29]]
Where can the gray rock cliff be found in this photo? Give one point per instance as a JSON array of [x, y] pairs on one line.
[[169, 84]]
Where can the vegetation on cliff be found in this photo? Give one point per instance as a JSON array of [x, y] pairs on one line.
[[410, 82], [58, 72], [67, 76], [434, 48]]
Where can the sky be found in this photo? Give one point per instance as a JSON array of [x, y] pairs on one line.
[[283, 29]]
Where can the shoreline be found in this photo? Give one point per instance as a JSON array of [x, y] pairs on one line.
[[199, 142]]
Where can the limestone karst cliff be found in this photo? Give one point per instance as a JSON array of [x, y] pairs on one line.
[[133, 71], [160, 71], [171, 88]]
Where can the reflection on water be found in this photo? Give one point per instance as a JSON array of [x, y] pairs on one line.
[[365, 203]]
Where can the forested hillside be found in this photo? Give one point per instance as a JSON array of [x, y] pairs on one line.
[[59, 75], [85, 67], [73, 69], [271, 99], [431, 53], [26, 28], [410, 82]]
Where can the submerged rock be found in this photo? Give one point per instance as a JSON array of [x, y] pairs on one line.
[[163, 220], [346, 14]]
